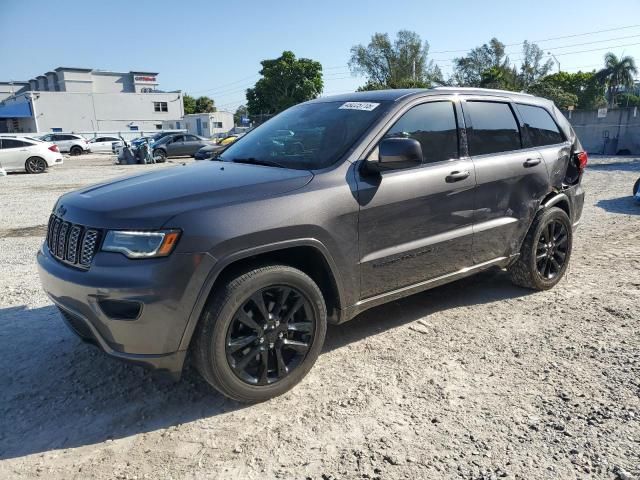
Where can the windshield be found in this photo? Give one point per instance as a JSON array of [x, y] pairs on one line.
[[306, 137]]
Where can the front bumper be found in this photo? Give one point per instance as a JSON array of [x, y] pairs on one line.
[[165, 289]]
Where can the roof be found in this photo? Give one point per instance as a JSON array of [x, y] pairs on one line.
[[399, 94]]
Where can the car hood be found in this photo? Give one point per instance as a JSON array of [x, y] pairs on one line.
[[147, 201]]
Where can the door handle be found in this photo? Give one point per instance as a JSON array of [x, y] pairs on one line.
[[457, 176], [531, 162]]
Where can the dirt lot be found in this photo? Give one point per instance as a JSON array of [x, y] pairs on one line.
[[477, 379]]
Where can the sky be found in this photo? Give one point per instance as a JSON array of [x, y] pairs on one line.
[[214, 48]]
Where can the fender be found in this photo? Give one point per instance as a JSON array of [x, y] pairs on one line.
[[222, 263], [555, 199]]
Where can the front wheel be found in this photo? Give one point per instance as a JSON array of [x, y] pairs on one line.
[[35, 165], [261, 333], [159, 155], [545, 253], [636, 187]]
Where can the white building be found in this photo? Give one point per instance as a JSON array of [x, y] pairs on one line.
[[86, 100], [204, 124]]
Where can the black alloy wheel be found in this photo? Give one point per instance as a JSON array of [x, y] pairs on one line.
[[270, 335], [552, 249]]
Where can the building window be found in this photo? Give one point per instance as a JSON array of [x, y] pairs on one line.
[[146, 90], [187, 126], [160, 107], [216, 124], [133, 128], [158, 126], [205, 125], [56, 129]]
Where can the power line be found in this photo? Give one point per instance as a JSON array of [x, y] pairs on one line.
[[548, 39]]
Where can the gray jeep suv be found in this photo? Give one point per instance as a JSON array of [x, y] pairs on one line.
[[242, 261]]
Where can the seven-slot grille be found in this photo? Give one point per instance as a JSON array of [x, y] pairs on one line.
[[71, 243]]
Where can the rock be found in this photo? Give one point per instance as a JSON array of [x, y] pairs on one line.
[[237, 449]]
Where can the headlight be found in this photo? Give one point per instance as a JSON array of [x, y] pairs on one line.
[[133, 244]]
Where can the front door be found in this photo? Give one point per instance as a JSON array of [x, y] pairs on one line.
[[13, 154], [416, 224], [199, 126], [511, 178], [175, 147]]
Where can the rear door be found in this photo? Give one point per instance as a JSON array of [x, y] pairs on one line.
[[415, 224], [543, 133], [13, 153], [192, 144], [511, 179]]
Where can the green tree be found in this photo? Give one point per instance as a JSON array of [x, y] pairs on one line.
[[204, 105], [241, 111], [285, 81], [468, 70], [582, 85], [401, 64], [189, 104], [532, 68], [557, 95], [617, 72], [500, 77]]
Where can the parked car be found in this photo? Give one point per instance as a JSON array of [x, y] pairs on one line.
[[241, 263], [66, 142], [177, 145], [103, 144], [207, 152], [224, 141], [27, 154]]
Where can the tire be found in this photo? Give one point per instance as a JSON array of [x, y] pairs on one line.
[[159, 155], [215, 349], [538, 254], [75, 151], [35, 165], [636, 187]]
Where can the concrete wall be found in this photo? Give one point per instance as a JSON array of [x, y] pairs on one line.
[[98, 111], [111, 83], [618, 130]]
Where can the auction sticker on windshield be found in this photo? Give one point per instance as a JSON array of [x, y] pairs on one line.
[[366, 106]]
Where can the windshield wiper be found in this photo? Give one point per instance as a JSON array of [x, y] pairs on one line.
[[256, 161]]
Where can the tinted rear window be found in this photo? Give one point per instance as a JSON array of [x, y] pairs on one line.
[[11, 143], [494, 128], [540, 126]]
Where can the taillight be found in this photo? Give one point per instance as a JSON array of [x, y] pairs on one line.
[[54, 148], [582, 160]]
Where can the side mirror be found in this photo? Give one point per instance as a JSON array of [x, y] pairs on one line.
[[397, 153]]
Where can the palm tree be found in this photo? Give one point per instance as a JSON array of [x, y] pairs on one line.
[[616, 73]]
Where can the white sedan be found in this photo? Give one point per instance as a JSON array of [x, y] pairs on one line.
[[103, 144], [26, 153]]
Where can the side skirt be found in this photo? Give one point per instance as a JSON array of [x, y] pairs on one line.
[[350, 312]]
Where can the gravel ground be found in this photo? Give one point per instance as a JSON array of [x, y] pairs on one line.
[[475, 380]]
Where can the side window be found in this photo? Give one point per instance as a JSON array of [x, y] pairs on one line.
[[191, 138], [540, 126], [178, 138], [434, 125], [11, 143], [494, 128]]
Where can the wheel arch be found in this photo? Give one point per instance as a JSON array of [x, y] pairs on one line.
[[308, 255], [557, 199]]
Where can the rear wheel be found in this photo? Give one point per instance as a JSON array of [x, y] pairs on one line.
[[545, 252], [636, 187], [35, 165], [261, 333], [75, 150]]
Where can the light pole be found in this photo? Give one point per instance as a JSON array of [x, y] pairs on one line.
[[554, 57]]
